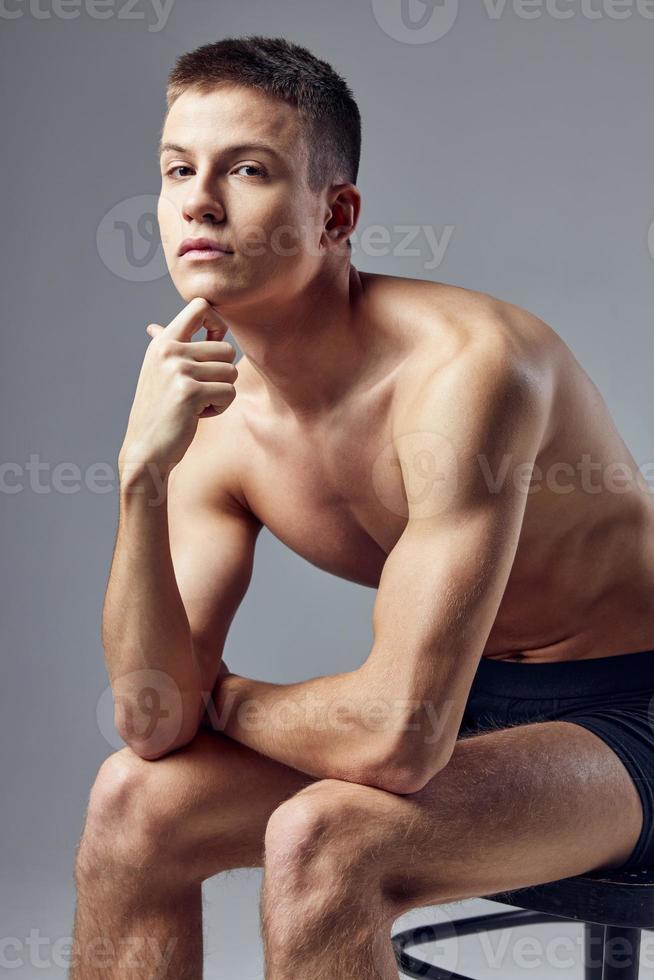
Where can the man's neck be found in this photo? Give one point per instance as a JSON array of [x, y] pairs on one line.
[[309, 352]]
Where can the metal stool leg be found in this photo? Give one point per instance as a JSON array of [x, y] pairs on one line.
[[593, 950], [621, 953]]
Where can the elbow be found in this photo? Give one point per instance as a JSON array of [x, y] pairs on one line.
[[155, 737], [156, 727], [157, 748], [408, 770]]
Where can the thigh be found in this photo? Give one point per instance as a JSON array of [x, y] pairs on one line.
[[514, 807], [209, 800], [527, 805]]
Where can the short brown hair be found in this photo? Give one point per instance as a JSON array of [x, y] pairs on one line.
[[287, 71]]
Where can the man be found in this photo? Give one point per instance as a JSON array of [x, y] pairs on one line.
[[431, 441]]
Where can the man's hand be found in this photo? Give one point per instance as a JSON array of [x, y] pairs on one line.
[[180, 382]]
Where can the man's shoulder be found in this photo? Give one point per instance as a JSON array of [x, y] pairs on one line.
[[449, 324], [458, 319], [471, 342]]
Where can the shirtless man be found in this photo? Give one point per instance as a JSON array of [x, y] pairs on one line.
[[368, 425]]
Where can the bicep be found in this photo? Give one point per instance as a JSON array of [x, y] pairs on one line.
[[466, 469]]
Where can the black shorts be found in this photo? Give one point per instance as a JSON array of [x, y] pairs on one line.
[[611, 696]]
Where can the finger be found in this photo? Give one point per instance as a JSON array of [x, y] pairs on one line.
[[212, 350], [214, 334], [154, 329], [198, 313], [217, 326], [213, 371], [217, 395]]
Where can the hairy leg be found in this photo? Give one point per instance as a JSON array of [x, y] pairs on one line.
[[323, 913], [514, 807], [153, 832]]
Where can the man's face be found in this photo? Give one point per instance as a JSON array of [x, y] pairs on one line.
[[251, 200]]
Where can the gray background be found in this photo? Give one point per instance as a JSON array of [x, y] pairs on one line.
[[531, 137]]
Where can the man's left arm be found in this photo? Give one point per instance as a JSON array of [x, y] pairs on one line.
[[466, 451]]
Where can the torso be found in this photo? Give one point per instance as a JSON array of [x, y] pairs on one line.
[[582, 582]]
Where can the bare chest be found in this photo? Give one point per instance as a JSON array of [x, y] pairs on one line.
[[581, 583], [333, 497]]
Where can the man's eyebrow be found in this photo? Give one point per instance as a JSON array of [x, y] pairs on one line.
[[236, 148]]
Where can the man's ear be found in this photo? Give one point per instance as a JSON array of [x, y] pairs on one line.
[[343, 212]]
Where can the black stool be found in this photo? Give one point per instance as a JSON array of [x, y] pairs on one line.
[[613, 905]]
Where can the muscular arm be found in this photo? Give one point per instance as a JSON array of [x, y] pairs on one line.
[[325, 726], [438, 596], [149, 654], [182, 564]]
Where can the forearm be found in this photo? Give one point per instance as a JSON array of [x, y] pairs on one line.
[[145, 631], [325, 727]]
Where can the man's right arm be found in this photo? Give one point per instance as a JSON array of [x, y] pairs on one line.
[[182, 563], [213, 537]]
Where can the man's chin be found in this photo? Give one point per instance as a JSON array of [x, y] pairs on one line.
[[202, 285], [215, 293]]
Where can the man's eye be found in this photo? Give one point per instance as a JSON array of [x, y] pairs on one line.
[[251, 166]]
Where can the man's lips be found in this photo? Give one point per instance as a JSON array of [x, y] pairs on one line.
[[202, 245]]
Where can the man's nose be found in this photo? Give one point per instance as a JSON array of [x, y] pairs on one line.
[[201, 205]]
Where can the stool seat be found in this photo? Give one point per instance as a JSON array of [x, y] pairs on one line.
[[612, 898], [613, 905]]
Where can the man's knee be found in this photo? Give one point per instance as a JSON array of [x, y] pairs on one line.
[[322, 843], [327, 822], [125, 822], [120, 780]]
